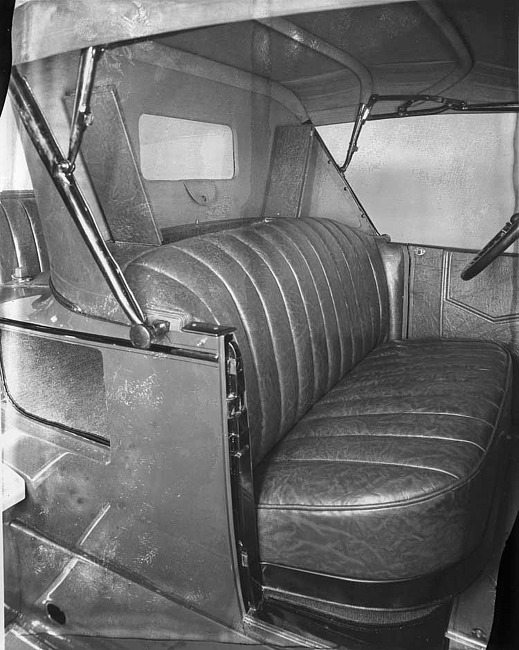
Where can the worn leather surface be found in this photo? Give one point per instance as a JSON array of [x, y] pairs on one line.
[[441, 304], [396, 265], [379, 459], [391, 474], [308, 298]]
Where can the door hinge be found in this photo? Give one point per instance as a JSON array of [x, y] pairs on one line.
[[242, 488], [238, 433], [237, 421], [244, 556]]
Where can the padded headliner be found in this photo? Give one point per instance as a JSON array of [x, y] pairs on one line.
[[465, 47]]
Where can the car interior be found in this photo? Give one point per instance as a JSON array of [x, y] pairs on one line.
[[286, 415]]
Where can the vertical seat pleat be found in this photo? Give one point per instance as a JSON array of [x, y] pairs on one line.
[[307, 297], [379, 277], [303, 309], [326, 284], [298, 340], [351, 330], [366, 246], [275, 354]]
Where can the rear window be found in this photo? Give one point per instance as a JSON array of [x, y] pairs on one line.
[[173, 149]]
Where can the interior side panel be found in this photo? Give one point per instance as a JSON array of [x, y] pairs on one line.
[[142, 507], [442, 304], [114, 172], [304, 181], [153, 87]]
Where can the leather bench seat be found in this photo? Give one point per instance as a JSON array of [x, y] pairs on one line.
[[391, 474], [374, 460]]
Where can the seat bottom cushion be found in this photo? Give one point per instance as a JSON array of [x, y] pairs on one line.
[[392, 475]]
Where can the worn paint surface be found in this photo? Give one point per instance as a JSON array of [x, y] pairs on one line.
[[121, 537]]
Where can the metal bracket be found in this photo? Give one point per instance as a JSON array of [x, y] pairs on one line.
[[142, 335], [237, 422], [82, 118], [209, 329]]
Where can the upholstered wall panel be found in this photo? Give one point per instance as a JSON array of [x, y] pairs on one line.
[[326, 193], [152, 86], [424, 296], [113, 170], [442, 304], [292, 147], [304, 181]]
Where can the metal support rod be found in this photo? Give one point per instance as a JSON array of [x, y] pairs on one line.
[[442, 105], [61, 173], [362, 116], [81, 115]]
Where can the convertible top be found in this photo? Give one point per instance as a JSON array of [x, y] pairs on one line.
[[330, 53]]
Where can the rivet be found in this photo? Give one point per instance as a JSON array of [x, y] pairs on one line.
[[479, 634]]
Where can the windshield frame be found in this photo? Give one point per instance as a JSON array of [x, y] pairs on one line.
[[405, 109]]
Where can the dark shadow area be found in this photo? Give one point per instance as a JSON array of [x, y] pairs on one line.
[[505, 632], [6, 19]]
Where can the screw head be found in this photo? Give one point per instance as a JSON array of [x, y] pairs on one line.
[[478, 633]]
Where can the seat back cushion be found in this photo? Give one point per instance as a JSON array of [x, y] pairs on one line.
[[308, 299]]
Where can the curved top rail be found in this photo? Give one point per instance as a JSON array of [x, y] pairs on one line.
[[317, 44], [465, 62]]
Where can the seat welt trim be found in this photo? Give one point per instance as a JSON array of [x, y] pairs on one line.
[[352, 401], [425, 497], [460, 482], [361, 462], [414, 592], [457, 415], [391, 435]]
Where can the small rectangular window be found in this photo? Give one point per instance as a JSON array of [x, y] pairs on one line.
[[173, 149]]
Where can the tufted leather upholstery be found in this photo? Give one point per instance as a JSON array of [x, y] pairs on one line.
[[392, 472], [308, 298], [375, 460]]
